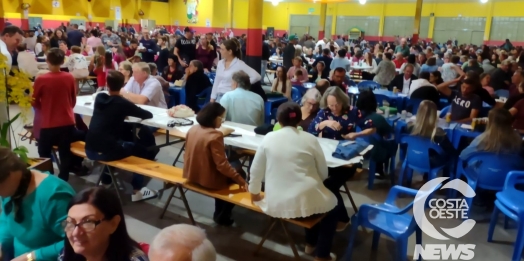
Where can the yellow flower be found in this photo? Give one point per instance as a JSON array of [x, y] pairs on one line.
[[16, 88]]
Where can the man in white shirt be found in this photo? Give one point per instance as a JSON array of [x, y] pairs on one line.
[[422, 81], [10, 38], [142, 88], [242, 105]]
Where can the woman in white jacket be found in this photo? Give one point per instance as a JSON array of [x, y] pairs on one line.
[[295, 189]]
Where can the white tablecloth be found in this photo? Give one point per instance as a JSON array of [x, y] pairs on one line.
[[361, 67], [249, 140], [276, 60]]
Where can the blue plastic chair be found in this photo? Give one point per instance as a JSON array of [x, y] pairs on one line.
[[502, 93], [381, 98], [486, 170], [417, 158], [296, 96], [509, 202], [368, 85], [301, 89], [443, 102], [390, 164], [211, 76], [444, 111], [388, 219], [182, 96], [413, 104], [267, 112], [204, 97], [174, 94]]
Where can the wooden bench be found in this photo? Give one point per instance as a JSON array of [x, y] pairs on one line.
[[152, 169], [241, 198], [82, 81], [173, 175]]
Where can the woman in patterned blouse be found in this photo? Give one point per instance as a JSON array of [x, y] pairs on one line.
[[337, 120], [96, 229]]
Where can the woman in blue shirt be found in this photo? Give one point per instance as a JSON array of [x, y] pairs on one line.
[[337, 121], [34, 204]]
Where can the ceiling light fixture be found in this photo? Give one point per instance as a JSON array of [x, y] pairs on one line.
[[362, 2], [483, 1], [275, 2]]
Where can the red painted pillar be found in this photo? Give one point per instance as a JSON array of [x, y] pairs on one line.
[[254, 35], [322, 23], [418, 16]]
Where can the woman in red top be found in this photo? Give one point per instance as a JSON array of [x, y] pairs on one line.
[[171, 74], [205, 53]]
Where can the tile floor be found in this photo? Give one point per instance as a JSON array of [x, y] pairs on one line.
[[238, 242]]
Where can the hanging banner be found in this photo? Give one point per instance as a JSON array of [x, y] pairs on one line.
[[118, 13]]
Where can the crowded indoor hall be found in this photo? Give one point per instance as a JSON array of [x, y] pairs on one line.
[[252, 130]]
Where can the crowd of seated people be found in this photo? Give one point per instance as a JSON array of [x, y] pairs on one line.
[[93, 219]]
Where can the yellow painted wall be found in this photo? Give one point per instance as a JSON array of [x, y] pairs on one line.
[[157, 11], [216, 11], [278, 16], [178, 11], [220, 14], [470, 9]]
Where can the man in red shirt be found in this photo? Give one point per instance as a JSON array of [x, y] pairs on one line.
[[399, 60], [54, 97]]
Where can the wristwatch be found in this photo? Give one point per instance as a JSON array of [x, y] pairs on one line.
[[30, 257]]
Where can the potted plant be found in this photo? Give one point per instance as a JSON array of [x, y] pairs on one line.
[[17, 88]]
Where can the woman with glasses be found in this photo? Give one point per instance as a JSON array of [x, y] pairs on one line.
[[309, 109], [96, 230], [336, 120], [205, 161], [33, 206]]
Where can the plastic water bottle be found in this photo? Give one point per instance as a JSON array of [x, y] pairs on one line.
[[386, 112]]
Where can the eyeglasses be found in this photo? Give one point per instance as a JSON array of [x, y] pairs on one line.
[[87, 225], [222, 119]]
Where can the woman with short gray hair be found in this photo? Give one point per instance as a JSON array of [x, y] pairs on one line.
[[310, 106], [341, 98]]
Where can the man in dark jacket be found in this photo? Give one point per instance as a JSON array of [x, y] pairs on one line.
[[265, 57], [403, 80], [289, 51], [500, 78]]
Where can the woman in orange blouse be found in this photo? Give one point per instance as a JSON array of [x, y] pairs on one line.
[[205, 161]]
